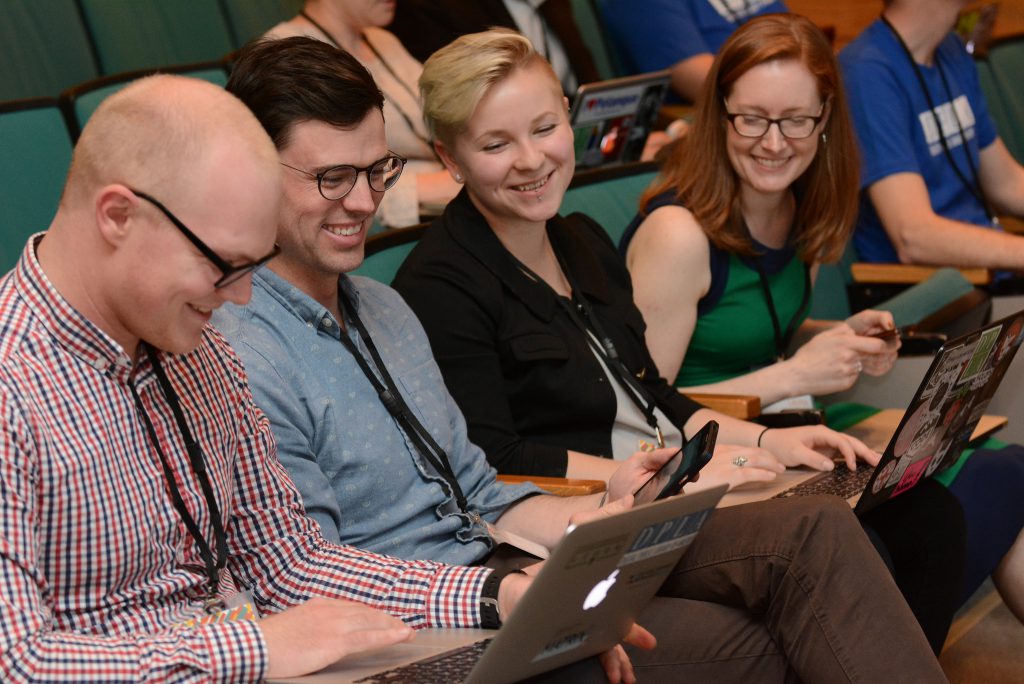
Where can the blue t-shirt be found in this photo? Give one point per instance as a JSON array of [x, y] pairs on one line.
[[898, 134], [655, 34], [359, 474]]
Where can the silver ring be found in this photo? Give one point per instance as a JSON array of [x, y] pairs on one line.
[[739, 461]]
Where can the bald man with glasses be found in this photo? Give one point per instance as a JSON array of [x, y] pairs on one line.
[[145, 521]]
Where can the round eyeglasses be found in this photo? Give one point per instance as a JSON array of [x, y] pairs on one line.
[[336, 182], [791, 127]]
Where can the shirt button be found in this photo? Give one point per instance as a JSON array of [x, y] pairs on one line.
[[99, 364], [327, 322]]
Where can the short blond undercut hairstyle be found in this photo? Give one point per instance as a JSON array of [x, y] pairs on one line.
[[456, 77]]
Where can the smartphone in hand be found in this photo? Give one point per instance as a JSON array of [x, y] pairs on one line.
[[681, 468], [888, 334]]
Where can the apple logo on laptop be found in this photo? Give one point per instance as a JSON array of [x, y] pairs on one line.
[[600, 591]]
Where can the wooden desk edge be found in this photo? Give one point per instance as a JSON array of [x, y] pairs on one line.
[[909, 274], [559, 486]]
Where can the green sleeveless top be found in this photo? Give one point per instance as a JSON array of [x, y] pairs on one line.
[[734, 333]]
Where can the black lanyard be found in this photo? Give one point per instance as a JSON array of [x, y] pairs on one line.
[[198, 463], [416, 98], [579, 311], [975, 187], [781, 340], [395, 404]]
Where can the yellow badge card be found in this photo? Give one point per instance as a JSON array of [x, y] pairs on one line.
[[242, 612]]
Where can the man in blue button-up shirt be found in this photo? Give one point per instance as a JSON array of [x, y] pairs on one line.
[[347, 454]]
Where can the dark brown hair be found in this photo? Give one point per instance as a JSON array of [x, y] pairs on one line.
[[288, 81], [699, 171]]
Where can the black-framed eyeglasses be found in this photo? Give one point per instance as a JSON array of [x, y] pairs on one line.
[[230, 274], [791, 127], [336, 182]]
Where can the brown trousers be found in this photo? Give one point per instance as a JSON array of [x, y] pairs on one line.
[[779, 591]]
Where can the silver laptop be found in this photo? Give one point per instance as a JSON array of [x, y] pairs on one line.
[[582, 602], [943, 418], [612, 119]]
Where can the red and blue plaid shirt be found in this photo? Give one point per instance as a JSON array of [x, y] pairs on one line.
[[97, 570]]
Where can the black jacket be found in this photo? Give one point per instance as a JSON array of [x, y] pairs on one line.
[[519, 368]]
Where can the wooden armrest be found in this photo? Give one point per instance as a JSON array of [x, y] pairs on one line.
[[908, 274], [1012, 224], [559, 486], [742, 406]]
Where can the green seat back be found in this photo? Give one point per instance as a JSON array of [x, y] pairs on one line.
[[830, 301], [250, 19], [386, 251], [996, 104], [613, 203], [45, 48], [133, 34], [920, 301], [1006, 58], [383, 265], [588, 20], [83, 99], [36, 154]]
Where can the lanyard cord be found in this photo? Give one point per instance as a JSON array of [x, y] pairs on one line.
[[408, 120], [581, 314], [975, 187], [396, 405], [781, 341], [196, 460]]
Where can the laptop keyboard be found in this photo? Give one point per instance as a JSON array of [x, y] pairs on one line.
[[841, 482], [450, 666]]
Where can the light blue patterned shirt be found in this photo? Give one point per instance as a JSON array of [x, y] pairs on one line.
[[360, 477]]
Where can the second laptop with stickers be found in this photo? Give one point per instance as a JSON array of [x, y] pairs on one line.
[[946, 413]]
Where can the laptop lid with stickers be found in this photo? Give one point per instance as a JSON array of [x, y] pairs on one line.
[[612, 119], [939, 422]]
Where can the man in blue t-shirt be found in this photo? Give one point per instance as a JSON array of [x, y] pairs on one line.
[[681, 35], [934, 170]]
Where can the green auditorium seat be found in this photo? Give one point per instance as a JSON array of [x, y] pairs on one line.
[[82, 100], [34, 163], [250, 19], [588, 19], [45, 48], [1006, 57], [1009, 130], [386, 251], [610, 195], [131, 35]]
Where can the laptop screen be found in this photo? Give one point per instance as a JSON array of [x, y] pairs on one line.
[[612, 119]]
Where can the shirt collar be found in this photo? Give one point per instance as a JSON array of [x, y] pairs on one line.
[[300, 304], [71, 330]]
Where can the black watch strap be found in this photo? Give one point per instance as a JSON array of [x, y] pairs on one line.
[[490, 618]]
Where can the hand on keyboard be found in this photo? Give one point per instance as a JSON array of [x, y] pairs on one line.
[[815, 446], [313, 635]]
